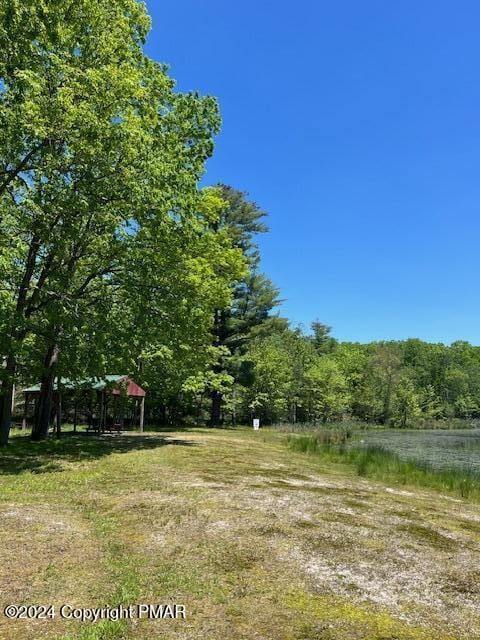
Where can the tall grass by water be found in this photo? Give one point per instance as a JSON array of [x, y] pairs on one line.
[[381, 464], [354, 424], [330, 433]]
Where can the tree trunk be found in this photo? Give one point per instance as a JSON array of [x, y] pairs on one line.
[[162, 413], [44, 405], [219, 331], [294, 413], [199, 409], [7, 398], [216, 409], [234, 411], [16, 335], [387, 402]]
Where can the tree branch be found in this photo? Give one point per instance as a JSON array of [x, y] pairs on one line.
[[11, 175]]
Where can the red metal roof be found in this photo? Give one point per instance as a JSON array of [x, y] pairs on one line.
[[133, 389], [97, 384]]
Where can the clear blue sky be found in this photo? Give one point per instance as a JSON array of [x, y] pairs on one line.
[[356, 125]]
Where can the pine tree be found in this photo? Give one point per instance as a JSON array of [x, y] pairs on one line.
[[255, 296]]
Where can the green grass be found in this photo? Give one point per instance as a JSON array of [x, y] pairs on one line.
[[381, 464], [248, 533], [312, 443]]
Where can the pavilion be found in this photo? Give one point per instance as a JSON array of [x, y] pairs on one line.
[[100, 398]]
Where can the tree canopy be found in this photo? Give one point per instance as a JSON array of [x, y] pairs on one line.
[[113, 258]]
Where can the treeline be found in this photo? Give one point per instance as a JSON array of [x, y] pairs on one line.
[[269, 370], [299, 378], [114, 261]]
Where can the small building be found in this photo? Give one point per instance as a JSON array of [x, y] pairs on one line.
[[102, 400]]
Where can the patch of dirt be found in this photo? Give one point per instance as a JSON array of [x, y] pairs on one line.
[[363, 541], [50, 558]]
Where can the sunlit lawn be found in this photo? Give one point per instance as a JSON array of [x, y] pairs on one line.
[[256, 540]]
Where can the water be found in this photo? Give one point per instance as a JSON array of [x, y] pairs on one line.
[[439, 449]]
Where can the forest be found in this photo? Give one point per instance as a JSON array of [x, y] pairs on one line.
[[115, 258]]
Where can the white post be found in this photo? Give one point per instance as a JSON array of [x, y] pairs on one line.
[[142, 413]]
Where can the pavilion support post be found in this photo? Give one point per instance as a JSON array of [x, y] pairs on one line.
[[106, 409], [142, 413], [100, 417], [90, 411], [58, 421], [121, 416], [35, 407], [24, 417], [75, 406]]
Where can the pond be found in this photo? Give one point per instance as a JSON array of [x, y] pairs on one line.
[[437, 448]]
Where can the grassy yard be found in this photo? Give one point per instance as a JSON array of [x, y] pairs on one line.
[[257, 540]]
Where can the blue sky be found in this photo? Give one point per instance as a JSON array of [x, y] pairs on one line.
[[356, 125]]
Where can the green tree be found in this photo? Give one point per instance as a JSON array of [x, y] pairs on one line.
[[182, 282], [326, 390], [254, 296], [269, 394], [381, 376], [406, 404], [96, 144], [321, 338]]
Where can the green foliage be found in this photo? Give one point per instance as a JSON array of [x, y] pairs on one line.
[[326, 391], [249, 313], [406, 401], [402, 384], [321, 338], [272, 385], [107, 252]]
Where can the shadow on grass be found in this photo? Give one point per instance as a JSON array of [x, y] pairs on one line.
[[44, 457]]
